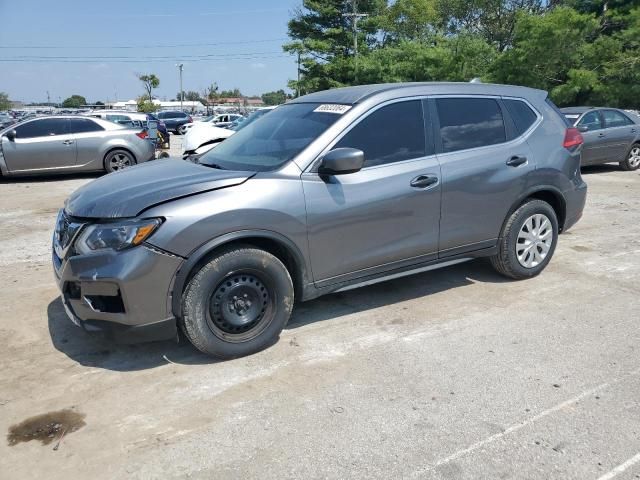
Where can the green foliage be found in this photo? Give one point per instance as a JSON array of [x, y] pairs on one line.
[[5, 103], [145, 105], [150, 81], [274, 98], [74, 101], [190, 96], [580, 51]]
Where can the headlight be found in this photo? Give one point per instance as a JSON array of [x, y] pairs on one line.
[[116, 236]]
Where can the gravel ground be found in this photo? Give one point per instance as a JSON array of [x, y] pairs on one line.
[[452, 374]]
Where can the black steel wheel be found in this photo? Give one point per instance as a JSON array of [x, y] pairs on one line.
[[237, 303]]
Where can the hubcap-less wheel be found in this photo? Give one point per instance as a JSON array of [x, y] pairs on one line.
[[119, 161], [634, 157], [534, 240], [240, 307]]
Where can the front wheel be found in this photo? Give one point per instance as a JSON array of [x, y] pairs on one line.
[[237, 303], [117, 160], [632, 162], [527, 241]]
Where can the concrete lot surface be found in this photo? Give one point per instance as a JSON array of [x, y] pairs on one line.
[[452, 374]]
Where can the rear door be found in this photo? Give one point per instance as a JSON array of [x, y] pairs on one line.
[[594, 148], [620, 131], [385, 215], [40, 144], [485, 164]]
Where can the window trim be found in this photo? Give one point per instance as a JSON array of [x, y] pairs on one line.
[[315, 163], [506, 116]]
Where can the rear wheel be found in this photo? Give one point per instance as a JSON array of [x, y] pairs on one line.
[[117, 160], [527, 241], [632, 162], [237, 303]]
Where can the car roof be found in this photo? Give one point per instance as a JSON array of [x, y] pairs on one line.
[[576, 109], [357, 94]]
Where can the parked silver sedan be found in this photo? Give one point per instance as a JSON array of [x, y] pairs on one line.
[[59, 144], [610, 135]]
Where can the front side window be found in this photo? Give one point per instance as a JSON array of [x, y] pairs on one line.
[[614, 119], [390, 134], [591, 121], [46, 127], [470, 123], [272, 140]]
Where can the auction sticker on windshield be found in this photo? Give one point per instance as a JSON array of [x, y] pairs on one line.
[[333, 108]]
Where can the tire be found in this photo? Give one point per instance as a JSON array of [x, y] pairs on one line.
[[237, 303], [632, 160], [117, 160], [524, 251]]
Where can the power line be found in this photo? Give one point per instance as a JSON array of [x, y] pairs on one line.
[[135, 57], [140, 60], [182, 45]]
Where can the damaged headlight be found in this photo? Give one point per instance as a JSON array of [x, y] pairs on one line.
[[116, 236]]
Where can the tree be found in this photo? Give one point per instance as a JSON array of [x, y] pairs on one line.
[[74, 101], [150, 81], [230, 93], [274, 98], [190, 96], [145, 105], [5, 103]]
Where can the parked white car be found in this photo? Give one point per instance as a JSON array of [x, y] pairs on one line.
[[221, 120]]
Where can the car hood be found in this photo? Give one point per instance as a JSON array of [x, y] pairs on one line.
[[129, 192], [200, 134]]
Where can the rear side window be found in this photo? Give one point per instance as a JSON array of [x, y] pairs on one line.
[[83, 125], [614, 119], [522, 115], [470, 123], [390, 134], [45, 127]]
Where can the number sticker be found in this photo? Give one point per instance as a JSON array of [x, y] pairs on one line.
[[333, 108]]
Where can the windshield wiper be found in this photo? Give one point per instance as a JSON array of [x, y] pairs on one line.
[[211, 165]]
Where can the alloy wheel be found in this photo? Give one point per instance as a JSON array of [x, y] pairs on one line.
[[534, 240], [120, 161], [634, 157]]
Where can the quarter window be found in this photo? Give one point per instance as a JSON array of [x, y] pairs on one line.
[[83, 125], [523, 117], [591, 121], [390, 134], [470, 123], [614, 119], [45, 127]]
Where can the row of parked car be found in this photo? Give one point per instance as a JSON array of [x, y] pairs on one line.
[[72, 143]]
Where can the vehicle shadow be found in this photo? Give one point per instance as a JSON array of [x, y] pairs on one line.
[[97, 351], [51, 178], [605, 167]]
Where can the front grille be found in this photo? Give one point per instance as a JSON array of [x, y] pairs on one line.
[[64, 234]]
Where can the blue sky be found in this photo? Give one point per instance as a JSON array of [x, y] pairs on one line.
[[243, 46]]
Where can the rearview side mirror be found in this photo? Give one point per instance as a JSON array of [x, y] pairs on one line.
[[583, 128], [341, 160], [11, 135]]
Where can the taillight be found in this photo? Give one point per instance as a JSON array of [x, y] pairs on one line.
[[572, 138], [143, 134]]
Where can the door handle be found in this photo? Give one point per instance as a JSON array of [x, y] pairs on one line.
[[516, 161], [424, 181], [600, 135], [68, 142], [633, 130]]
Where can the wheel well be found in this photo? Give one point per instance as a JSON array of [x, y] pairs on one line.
[[555, 200], [104, 159], [274, 247]]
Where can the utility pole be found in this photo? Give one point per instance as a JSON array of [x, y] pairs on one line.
[[48, 98], [298, 84], [355, 17], [180, 66]]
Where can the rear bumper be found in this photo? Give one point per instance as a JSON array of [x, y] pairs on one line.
[[125, 295], [575, 202]]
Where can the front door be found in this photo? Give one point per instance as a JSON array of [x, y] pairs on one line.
[[386, 215], [40, 144], [594, 148]]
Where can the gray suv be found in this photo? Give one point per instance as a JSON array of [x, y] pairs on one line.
[[331, 191]]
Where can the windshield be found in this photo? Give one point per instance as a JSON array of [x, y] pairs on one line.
[[272, 140]]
